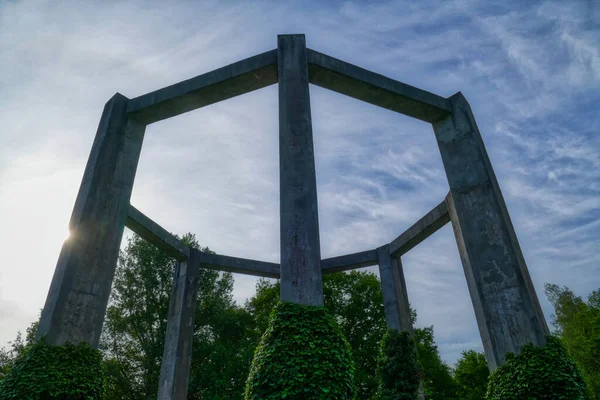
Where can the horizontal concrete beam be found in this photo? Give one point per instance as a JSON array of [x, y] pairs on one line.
[[349, 261], [342, 77], [239, 265], [156, 234], [221, 84], [421, 230]]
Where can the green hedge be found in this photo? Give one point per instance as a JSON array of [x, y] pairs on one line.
[[542, 373], [398, 367], [69, 372], [303, 354]]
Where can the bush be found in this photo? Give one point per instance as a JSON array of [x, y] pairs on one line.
[[398, 367], [302, 355], [542, 373], [72, 372]]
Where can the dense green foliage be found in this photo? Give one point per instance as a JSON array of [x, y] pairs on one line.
[[17, 348], [438, 383], [302, 355], [578, 324], [545, 372], [136, 320], [398, 368], [69, 372], [471, 375], [355, 300]]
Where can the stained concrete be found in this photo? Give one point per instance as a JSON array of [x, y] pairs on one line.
[[232, 80], [348, 262], [301, 280], [420, 230], [78, 296], [350, 80], [395, 296], [149, 230], [239, 265], [177, 352], [506, 305]]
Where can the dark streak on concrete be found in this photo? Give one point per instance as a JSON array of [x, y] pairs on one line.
[[506, 305]]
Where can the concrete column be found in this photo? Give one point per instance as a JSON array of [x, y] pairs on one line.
[[177, 352], [506, 306], [395, 296], [78, 296], [301, 280], [393, 286]]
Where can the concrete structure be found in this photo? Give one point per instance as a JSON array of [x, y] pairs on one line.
[[177, 353], [301, 280], [506, 306], [507, 309]]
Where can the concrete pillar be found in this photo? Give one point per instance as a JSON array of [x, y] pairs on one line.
[[301, 280], [395, 296], [76, 302], [177, 352], [506, 306], [393, 286]]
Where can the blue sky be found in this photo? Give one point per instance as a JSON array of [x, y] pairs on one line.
[[531, 71]]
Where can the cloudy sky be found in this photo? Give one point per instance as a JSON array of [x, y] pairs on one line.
[[531, 71]]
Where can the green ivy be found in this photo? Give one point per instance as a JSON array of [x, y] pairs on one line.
[[398, 367], [303, 354], [69, 372], [542, 373]]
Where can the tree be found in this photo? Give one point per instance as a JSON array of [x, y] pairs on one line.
[[398, 367], [356, 301], [577, 322], [437, 378], [135, 326], [471, 375], [17, 348]]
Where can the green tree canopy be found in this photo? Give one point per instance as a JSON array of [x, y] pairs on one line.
[[577, 322], [471, 375], [134, 330], [437, 375], [356, 301]]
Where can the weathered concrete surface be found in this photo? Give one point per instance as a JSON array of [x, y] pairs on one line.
[[353, 81], [349, 261], [421, 230], [232, 80], [177, 352], [395, 296], [239, 265], [78, 296], [506, 305], [156, 234], [301, 280]]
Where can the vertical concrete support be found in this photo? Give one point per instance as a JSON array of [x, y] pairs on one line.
[[395, 296], [301, 280], [177, 352], [78, 296], [506, 306]]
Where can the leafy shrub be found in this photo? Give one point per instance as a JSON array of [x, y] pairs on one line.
[[302, 355], [72, 372], [542, 373], [398, 367]]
